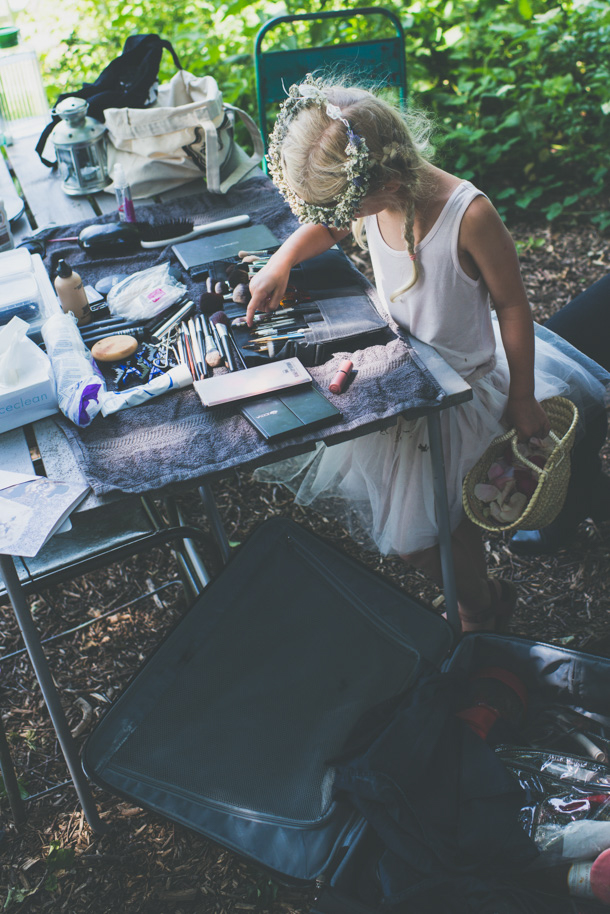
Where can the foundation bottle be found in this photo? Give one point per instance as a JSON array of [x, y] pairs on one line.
[[71, 293]]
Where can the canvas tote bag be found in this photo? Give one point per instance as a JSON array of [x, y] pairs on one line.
[[189, 131]]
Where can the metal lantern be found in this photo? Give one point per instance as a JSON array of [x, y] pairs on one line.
[[80, 147]]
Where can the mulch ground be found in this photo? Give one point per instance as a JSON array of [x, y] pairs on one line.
[[146, 865]]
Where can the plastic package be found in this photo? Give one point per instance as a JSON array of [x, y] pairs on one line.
[[80, 386], [20, 297], [568, 816], [174, 379], [145, 294], [18, 260]]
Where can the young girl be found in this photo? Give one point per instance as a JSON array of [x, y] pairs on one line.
[[344, 158]]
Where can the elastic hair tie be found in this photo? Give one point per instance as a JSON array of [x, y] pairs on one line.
[[412, 256]]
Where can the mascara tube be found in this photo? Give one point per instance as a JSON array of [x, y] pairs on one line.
[[339, 382]]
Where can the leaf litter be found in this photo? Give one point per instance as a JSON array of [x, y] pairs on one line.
[[147, 865]]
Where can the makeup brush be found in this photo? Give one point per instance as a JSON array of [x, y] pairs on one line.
[[220, 320], [158, 330], [196, 343], [212, 355], [186, 343], [209, 302]]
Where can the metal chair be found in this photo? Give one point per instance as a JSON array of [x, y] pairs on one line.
[[98, 538], [380, 60]]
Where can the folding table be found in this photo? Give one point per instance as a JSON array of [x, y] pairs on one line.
[[46, 203]]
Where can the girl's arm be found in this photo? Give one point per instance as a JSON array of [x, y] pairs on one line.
[[269, 284], [485, 239]]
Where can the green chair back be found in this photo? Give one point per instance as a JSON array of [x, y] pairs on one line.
[[380, 61]]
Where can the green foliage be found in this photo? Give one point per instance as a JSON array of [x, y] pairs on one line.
[[522, 95], [518, 90], [262, 892], [59, 858]]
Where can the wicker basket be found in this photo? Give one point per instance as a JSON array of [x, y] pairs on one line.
[[549, 495]]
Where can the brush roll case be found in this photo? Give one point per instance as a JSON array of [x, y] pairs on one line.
[[338, 313], [235, 727]]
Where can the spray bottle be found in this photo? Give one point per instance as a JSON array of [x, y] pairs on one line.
[[122, 190]]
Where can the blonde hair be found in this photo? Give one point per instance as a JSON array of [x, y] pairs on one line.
[[313, 156]]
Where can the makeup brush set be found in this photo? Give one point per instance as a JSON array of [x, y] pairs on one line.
[[133, 352], [323, 311]]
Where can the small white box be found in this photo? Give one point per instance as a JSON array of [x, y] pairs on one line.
[[37, 398], [26, 404]]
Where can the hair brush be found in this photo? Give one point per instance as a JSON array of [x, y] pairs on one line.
[[126, 237], [162, 233]]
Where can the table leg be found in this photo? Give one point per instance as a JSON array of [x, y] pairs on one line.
[[209, 503], [444, 526], [9, 779], [47, 686]]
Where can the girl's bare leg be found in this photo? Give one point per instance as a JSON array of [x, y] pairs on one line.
[[477, 595]]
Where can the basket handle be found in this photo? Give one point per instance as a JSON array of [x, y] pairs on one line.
[[528, 463]]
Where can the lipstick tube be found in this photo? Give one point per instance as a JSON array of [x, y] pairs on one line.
[[339, 382]]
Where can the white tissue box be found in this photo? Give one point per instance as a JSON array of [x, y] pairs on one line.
[[26, 404], [36, 398]]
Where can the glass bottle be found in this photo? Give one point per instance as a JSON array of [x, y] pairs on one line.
[[23, 100]]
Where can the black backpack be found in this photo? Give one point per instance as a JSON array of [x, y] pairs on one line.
[[125, 83]]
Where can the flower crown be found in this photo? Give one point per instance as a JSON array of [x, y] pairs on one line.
[[341, 213]]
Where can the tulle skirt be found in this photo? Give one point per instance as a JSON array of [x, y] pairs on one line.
[[380, 485]]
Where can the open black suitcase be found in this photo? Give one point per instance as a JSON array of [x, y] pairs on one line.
[[232, 727]]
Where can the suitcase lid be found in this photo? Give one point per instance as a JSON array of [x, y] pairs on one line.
[[231, 726]]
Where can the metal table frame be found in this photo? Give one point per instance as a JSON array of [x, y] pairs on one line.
[[47, 203]]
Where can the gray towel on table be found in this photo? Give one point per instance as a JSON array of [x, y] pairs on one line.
[[174, 438]]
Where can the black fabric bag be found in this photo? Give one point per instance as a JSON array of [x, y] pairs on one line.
[[302, 714], [127, 82]]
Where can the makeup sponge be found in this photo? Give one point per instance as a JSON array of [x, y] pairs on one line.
[[114, 348]]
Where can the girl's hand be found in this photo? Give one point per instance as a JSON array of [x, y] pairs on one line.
[[267, 288], [527, 416]]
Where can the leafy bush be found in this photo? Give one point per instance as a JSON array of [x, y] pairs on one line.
[[525, 103], [519, 91]]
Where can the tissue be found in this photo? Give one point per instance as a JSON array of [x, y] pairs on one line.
[[27, 385]]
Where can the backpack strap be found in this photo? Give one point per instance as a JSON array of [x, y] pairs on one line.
[[42, 142]]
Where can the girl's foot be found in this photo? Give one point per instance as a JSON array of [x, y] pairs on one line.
[[503, 599]]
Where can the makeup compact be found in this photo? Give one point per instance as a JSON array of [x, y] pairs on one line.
[[290, 413]]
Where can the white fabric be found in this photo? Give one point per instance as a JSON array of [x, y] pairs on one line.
[[380, 485], [187, 132], [445, 308]]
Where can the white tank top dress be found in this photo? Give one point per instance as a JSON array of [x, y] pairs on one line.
[[380, 485]]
